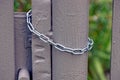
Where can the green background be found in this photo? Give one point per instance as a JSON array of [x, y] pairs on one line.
[[100, 21]]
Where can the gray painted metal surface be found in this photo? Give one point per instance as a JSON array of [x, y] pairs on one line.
[[22, 57], [41, 54], [7, 63], [115, 60], [70, 28]]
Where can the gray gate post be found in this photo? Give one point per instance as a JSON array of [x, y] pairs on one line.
[[22, 45], [41, 53], [115, 60], [70, 28], [7, 63]]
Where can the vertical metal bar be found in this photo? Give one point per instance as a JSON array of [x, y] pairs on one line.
[[115, 60], [41, 54], [7, 64], [22, 57], [70, 28]]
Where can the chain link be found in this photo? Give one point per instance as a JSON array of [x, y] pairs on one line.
[[58, 46]]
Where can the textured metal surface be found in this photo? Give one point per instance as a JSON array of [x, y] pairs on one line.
[[115, 60], [22, 57], [70, 28], [41, 54], [7, 64]]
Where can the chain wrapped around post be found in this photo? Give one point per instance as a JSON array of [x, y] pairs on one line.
[[58, 46]]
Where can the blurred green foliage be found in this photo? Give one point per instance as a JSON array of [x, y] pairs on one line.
[[22, 5], [100, 21]]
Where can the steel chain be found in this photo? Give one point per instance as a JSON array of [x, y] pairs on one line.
[[58, 46]]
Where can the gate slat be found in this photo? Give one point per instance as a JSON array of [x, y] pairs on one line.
[[115, 60], [41, 54], [22, 57], [70, 28], [7, 64]]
